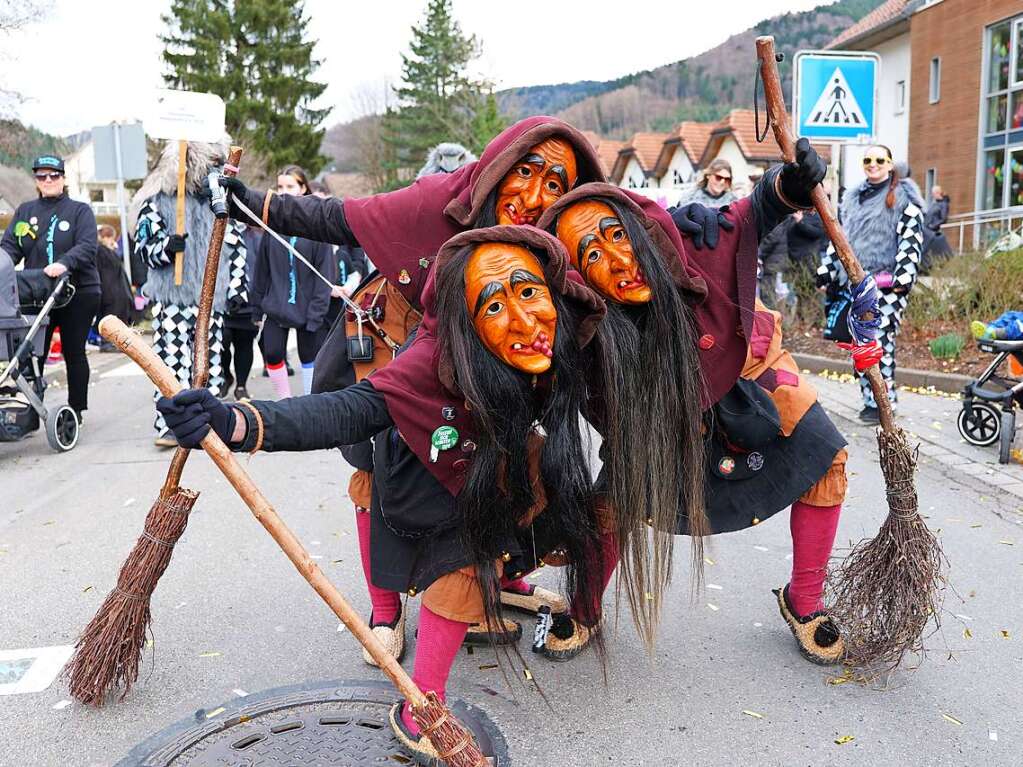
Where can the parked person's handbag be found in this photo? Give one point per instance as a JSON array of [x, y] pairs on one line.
[[837, 303]]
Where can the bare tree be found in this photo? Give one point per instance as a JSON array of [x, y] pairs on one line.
[[15, 15]]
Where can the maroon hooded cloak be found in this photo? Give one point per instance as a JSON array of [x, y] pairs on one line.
[[419, 386], [402, 231], [719, 284]]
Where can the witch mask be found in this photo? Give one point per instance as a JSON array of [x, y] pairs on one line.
[[546, 172], [601, 252], [511, 305]]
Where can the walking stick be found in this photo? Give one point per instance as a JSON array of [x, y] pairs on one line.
[[889, 587], [452, 739], [109, 651]]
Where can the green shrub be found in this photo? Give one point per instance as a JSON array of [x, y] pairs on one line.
[[946, 347]]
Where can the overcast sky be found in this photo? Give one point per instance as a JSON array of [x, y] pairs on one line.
[[92, 61]]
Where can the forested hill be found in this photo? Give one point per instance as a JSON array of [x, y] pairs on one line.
[[702, 87]]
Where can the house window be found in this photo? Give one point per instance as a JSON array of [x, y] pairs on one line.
[[676, 178], [1001, 149], [96, 195], [935, 91], [932, 179], [900, 97]]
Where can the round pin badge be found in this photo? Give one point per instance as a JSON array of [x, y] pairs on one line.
[[33, 220], [755, 461], [447, 413], [726, 465], [444, 437], [403, 277], [64, 226]]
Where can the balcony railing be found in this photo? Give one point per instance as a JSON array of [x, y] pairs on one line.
[[981, 229]]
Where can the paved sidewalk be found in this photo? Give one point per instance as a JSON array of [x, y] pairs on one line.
[[931, 419]]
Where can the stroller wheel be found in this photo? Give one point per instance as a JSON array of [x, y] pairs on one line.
[[1008, 432], [62, 428], [981, 426]]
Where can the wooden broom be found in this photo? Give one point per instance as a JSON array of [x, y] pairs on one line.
[[109, 651], [888, 588], [453, 741]]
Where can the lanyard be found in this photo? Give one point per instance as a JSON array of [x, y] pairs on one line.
[[293, 276]]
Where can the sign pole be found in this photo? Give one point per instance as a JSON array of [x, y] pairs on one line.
[[120, 200], [179, 257]]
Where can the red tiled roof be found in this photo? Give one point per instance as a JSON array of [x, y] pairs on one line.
[[740, 124], [645, 147], [694, 138], [884, 13], [607, 153]]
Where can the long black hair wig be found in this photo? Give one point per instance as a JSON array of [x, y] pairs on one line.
[[647, 404], [508, 406]]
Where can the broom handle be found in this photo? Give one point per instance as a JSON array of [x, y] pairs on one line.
[[201, 337], [778, 117], [131, 344]]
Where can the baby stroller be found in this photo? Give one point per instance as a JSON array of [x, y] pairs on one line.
[[981, 421], [26, 300]]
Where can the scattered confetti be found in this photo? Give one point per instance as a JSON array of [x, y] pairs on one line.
[[49, 522], [1004, 633], [760, 548], [715, 587], [754, 714], [974, 527], [1005, 542], [210, 654], [844, 739], [65, 703], [239, 692], [315, 543], [129, 502], [757, 625], [649, 596], [341, 628], [316, 556], [488, 666], [528, 674], [992, 735], [967, 634], [708, 560], [715, 608], [962, 617], [87, 588], [336, 561], [214, 712], [179, 605], [952, 719]]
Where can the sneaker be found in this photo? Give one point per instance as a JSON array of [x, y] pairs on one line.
[[817, 636], [532, 600], [240, 393], [391, 636], [870, 415], [228, 381], [422, 750], [479, 635], [78, 415], [566, 638], [166, 438]]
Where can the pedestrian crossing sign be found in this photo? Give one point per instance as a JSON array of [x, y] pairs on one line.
[[835, 94]]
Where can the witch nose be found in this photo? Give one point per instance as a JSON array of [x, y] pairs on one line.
[[518, 317], [620, 259], [531, 196]]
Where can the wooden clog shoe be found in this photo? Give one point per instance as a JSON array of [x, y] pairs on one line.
[[817, 636], [479, 635], [533, 599], [566, 638]]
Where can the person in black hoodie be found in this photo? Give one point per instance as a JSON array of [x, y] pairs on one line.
[[291, 296], [58, 235]]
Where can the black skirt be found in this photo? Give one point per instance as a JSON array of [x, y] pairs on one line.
[[791, 466]]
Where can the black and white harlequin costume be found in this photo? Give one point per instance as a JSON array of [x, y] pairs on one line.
[[176, 306], [888, 241]]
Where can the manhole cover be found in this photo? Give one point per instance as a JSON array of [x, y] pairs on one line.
[[326, 724]]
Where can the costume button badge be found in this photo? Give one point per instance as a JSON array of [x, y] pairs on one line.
[[447, 413], [403, 277], [468, 446], [424, 263], [755, 461], [443, 438], [706, 341]]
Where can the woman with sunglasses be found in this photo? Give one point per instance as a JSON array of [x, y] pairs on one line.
[[58, 235], [714, 188], [883, 218]]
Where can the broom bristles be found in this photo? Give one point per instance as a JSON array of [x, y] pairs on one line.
[[454, 743], [889, 588], [109, 651]]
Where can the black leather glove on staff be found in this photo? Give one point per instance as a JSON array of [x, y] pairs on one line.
[[175, 244], [701, 224], [800, 177], [191, 413]]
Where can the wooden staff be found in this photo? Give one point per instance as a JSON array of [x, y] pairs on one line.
[[129, 342], [201, 337], [179, 258]]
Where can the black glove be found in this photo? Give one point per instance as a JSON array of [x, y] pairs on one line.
[[175, 244], [701, 223], [800, 177], [236, 190], [191, 413]]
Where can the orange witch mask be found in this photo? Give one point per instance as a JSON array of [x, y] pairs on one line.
[[601, 251], [546, 172], [511, 305]]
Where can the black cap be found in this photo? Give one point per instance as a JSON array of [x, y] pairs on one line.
[[48, 162]]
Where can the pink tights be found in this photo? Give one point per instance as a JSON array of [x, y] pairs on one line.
[[436, 648], [813, 534], [386, 604]]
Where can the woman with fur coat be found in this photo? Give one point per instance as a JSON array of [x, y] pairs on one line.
[[177, 306], [883, 219]]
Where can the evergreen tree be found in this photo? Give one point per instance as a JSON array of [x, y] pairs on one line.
[[255, 55], [438, 100], [487, 123]]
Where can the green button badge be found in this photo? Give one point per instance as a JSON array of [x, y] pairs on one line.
[[443, 438]]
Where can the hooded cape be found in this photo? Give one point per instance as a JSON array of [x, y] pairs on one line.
[[419, 386], [719, 284], [402, 231]]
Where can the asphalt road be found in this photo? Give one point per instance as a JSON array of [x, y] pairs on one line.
[[725, 686]]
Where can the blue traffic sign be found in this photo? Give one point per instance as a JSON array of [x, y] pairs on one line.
[[835, 94]]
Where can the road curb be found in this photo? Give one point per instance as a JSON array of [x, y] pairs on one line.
[[952, 383]]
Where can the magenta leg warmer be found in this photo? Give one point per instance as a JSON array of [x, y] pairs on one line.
[[813, 534]]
